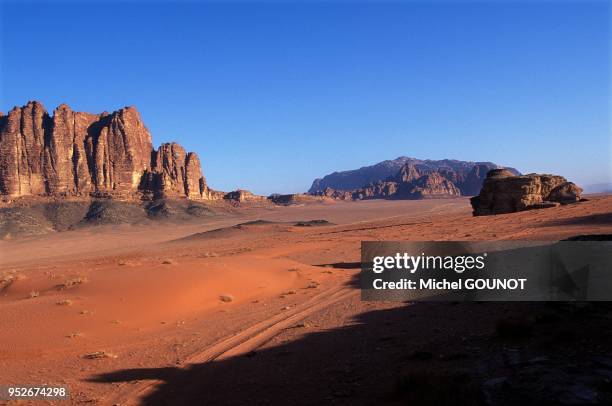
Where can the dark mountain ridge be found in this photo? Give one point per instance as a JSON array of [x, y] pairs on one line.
[[467, 176]]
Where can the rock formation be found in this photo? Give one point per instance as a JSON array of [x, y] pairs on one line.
[[175, 173], [408, 183], [241, 195], [503, 192], [433, 185], [294, 198], [335, 194], [466, 176], [80, 154]]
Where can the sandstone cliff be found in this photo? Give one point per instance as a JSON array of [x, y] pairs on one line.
[[72, 153], [503, 192], [408, 183], [467, 176], [433, 185]]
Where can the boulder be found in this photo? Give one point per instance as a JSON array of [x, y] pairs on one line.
[[503, 192]]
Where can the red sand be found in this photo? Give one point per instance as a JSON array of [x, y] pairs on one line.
[[120, 297]]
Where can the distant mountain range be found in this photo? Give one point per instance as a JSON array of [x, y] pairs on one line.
[[466, 176]]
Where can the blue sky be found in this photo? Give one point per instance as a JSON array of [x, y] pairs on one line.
[[274, 94]]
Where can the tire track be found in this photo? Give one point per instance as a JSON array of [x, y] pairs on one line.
[[242, 342]]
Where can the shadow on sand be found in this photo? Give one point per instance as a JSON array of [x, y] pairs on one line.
[[417, 354], [591, 220]]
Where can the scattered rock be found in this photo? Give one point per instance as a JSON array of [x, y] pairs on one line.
[[109, 211], [129, 263], [226, 298], [209, 255], [99, 355], [71, 283]]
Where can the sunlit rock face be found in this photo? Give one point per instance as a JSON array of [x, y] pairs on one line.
[[69, 153], [503, 192]]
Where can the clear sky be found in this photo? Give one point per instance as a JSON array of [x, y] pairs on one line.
[[274, 94]]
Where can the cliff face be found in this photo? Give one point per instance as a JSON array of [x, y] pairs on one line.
[[71, 153], [467, 176], [408, 183], [433, 185]]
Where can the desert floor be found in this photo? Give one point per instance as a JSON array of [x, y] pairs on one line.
[[133, 314]]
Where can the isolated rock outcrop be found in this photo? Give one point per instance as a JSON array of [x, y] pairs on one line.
[[241, 195], [294, 198], [503, 192], [80, 154]]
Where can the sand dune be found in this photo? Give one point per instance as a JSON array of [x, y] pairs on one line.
[[150, 295]]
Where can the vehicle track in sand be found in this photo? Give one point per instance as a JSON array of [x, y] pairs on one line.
[[242, 342]]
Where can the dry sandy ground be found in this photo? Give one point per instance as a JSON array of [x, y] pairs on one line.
[[294, 331]]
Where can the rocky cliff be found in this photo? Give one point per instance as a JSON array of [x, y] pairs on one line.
[[408, 183], [503, 192], [71, 153], [466, 176]]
